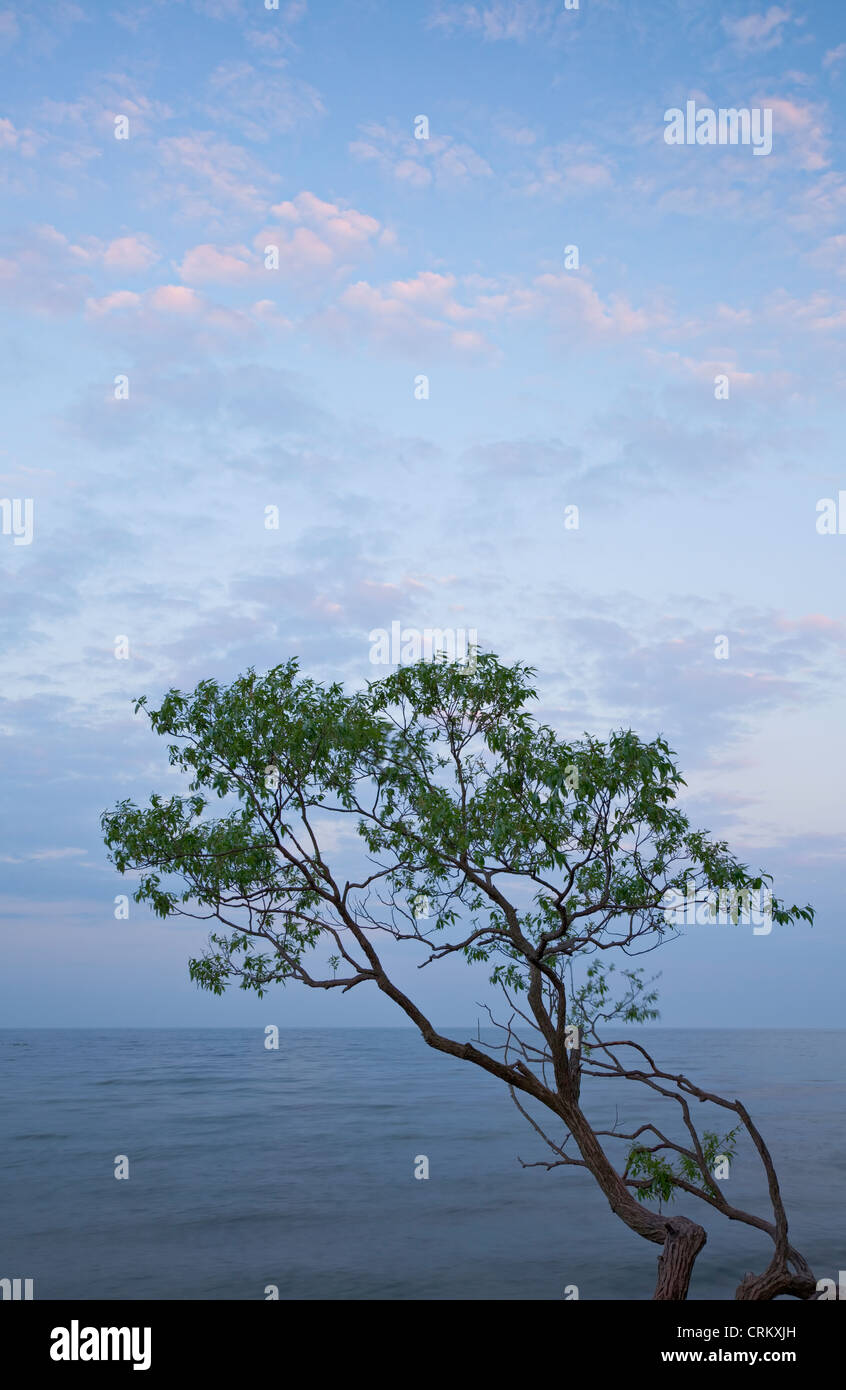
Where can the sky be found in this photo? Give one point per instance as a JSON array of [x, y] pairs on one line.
[[322, 317]]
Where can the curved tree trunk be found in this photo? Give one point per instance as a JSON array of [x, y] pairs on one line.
[[675, 1265], [681, 1238], [773, 1282]]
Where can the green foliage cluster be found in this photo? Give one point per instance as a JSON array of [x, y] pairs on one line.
[[533, 850], [664, 1177]]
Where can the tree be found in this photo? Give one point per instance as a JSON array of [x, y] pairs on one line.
[[483, 835]]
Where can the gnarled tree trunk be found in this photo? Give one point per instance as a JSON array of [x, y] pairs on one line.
[[684, 1241]]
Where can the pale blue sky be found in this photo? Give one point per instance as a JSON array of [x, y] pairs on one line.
[[549, 386]]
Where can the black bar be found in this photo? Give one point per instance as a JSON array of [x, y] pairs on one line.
[[367, 1339]]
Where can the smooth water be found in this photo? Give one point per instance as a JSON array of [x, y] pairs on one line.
[[251, 1167]]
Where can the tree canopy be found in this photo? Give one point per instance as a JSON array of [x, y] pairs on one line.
[[480, 833]]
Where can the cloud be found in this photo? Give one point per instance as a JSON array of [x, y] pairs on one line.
[[218, 178], [439, 312], [835, 56], [115, 94], [705, 370], [758, 31], [514, 132], [39, 31], [499, 19], [230, 265], [278, 38], [170, 314], [313, 237], [831, 254], [9, 28], [119, 299], [804, 129], [818, 312], [49, 273], [220, 9], [24, 142], [411, 316], [823, 201], [417, 163], [258, 105], [568, 169], [341, 227], [520, 458], [129, 255], [664, 447], [657, 666], [42, 854], [45, 272], [238, 422], [568, 302], [316, 239]]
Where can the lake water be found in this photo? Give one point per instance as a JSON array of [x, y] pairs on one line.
[[295, 1168]]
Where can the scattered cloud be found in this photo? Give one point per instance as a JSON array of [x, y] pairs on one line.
[[759, 32], [221, 265], [210, 178], [9, 28], [410, 316], [129, 255], [830, 254], [49, 273], [497, 20], [803, 127], [835, 56], [440, 159], [169, 313], [259, 104], [317, 236], [25, 142], [116, 94], [569, 169]]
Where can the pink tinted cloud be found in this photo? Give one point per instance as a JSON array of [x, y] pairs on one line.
[[835, 56], [498, 20], [109, 303], [813, 622], [342, 227], [23, 142], [176, 299], [758, 31], [46, 272], [129, 255], [207, 264], [417, 163], [406, 316], [115, 94], [804, 129], [313, 236], [831, 254], [166, 310], [567, 169], [216, 178], [818, 312], [569, 301], [50, 273], [438, 310]]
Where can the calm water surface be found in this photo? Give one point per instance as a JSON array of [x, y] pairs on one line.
[[295, 1167]]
